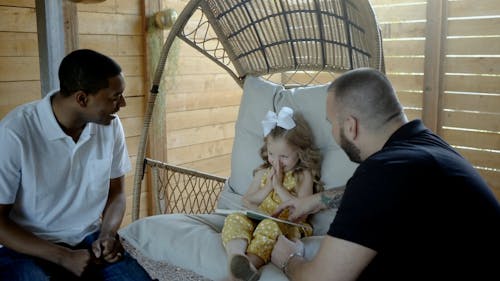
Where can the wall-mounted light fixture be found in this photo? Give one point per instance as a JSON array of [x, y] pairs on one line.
[[165, 19]]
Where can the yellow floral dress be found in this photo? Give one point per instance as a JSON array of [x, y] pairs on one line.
[[261, 236]]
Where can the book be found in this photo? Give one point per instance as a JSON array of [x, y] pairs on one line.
[[256, 215]]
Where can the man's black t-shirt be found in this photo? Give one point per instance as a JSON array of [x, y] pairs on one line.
[[424, 210]]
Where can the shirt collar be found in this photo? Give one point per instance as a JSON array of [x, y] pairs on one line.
[[50, 125], [407, 130]]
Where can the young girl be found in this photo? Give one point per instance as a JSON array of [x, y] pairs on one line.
[[291, 168]]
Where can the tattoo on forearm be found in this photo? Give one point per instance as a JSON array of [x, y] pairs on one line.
[[332, 198]]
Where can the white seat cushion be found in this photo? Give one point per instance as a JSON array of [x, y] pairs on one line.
[[193, 242]]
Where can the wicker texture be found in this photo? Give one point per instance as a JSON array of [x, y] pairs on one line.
[[291, 42], [275, 36], [181, 190]]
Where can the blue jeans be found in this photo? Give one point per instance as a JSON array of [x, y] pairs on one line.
[[15, 266]]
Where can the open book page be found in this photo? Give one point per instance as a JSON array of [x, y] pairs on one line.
[[253, 214]]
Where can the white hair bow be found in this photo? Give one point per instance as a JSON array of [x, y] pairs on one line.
[[284, 119]]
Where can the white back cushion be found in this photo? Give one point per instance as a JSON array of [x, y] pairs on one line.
[[260, 96], [256, 100]]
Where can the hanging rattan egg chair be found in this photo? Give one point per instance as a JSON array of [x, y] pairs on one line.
[[290, 42]]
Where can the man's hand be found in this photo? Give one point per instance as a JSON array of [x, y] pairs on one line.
[[77, 261], [300, 208], [284, 249], [108, 249]]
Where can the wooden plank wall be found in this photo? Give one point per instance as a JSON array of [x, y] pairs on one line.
[[114, 27], [469, 109], [403, 31], [202, 106], [471, 98], [19, 64]]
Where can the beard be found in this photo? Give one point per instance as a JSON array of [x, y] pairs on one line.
[[350, 148]]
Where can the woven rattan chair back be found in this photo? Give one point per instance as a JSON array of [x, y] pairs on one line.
[[292, 42]]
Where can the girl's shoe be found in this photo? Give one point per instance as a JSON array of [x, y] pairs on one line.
[[243, 269]]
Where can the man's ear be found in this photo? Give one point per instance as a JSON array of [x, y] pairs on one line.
[[351, 127], [81, 98]]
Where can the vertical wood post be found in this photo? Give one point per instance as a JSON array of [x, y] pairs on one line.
[[153, 47], [49, 19], [57, 25], [436, 31], [153, 43], [70, 16]]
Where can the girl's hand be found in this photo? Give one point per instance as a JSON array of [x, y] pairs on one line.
[[270, 176], [277, 180], [269, 182], [277, 177]]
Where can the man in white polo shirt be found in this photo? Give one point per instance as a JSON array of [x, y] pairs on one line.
[[62, 166]]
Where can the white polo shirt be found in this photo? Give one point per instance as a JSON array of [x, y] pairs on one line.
[[58, 187]]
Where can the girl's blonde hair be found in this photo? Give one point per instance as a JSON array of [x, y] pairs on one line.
[[300, 137]]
